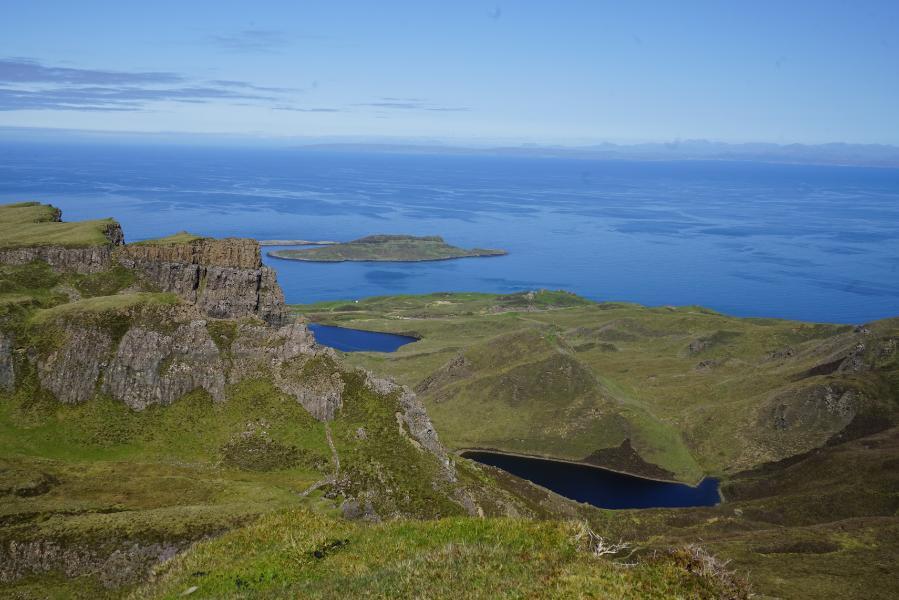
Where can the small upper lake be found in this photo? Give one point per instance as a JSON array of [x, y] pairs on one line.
[[358, 340], [600, 487]]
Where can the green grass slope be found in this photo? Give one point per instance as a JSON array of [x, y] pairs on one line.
[[692, 391]]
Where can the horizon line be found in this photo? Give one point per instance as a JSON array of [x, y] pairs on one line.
[[425, 141]]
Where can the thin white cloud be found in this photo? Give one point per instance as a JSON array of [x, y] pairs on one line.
[[28, 84]]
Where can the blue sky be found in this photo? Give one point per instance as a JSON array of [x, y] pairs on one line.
[[527, 71]]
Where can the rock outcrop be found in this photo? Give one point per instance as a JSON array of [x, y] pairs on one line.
[[415, 418], [153, 367], [7, 371], [257, 349], [72, 370], [167, 352], [224, 278], [295, 364]]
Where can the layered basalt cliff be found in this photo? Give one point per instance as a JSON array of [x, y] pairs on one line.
[[65, 259], [224, 278], [239, 253]]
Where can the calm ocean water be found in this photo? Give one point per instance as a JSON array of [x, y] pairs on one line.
[[815, 243]]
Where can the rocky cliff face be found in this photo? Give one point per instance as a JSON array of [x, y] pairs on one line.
[[92, 259], [239, 253], [224, 278], [158, 367], [165, 352], [71, 371]]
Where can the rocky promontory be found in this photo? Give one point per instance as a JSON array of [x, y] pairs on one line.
[[225, 278]]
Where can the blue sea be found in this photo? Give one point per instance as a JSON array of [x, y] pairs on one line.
[[817, 243]]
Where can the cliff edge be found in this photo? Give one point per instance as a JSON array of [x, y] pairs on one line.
[[223, 278]]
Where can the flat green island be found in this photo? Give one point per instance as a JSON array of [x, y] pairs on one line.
[[386, 248]]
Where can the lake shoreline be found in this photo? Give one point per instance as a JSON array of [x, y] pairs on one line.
[[461, 452], [348, 339]]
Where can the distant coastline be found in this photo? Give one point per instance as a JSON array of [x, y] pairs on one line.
[[830, 154]]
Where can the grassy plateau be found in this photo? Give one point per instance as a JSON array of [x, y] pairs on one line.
[[33, 224]]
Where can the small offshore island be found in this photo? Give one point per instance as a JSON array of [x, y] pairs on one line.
[[386, 248]]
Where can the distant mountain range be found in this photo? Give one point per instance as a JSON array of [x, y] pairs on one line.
[[877, 155], [871, 155]]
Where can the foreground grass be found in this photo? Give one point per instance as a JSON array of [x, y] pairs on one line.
[[298, 553]]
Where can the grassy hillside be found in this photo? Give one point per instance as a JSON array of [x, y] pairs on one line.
[[693, 391], [820, 525], [389, 248]]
